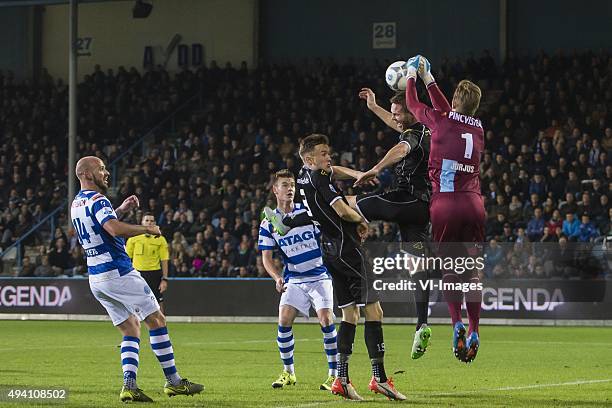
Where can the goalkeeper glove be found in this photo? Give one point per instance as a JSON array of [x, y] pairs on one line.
[[412, 66], [425, 71]]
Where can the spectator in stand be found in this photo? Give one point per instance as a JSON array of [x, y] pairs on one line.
[[58, 234], [183, 226], [556, 184], [78, 262], [515, 210], [520, 236], [494, 254], [569, 205], [27, 268], [500, 206], [507, 236], [586, 231], [183, 209], [586, 205], [535, 227], [605, 225], [548, 237], [573, 184], [198, 259], [571, 227], [388, 233], [226, 269], [538, 186], [211, 268], [44, 269], [555, 223], [59, 258], [496, 228]]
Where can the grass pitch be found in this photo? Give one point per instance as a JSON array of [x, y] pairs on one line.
[[516, 366]]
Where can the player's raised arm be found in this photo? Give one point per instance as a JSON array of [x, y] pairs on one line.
[[344, 173], [422, 112], [368, 95], [394, 155], [122, 229], [438, 100], [107, 218], [128, 204]]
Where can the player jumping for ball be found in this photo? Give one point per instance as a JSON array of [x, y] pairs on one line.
[[115, 283], [406, 203], [457, 208]]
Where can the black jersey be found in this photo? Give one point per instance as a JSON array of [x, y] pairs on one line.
[[411, 173], [318, 194]]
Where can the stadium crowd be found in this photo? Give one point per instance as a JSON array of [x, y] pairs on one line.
[[546, 174]]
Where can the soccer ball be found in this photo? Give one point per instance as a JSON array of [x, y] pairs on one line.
[[396, 76]]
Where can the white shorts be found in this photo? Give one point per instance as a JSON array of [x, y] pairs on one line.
[[124, 296], [318, 294]]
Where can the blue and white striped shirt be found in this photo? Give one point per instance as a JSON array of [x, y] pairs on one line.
[[106, 256], [300, 248]]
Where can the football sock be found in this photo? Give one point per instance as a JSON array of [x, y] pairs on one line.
[[346, 338], [130, 346], [454, 309], [473, 302], [453, 298], [473, 311], [285, 347], [162, 347], [421, 298], [330, 344], [376, 349]]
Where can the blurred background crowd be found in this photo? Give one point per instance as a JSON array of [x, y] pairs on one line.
[[546, 172]]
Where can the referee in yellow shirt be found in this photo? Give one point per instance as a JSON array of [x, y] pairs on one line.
[[150, 257]]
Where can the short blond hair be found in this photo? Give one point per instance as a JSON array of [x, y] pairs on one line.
[[467, 97]]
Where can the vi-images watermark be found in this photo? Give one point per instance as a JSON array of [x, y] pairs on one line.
[[408, 285]]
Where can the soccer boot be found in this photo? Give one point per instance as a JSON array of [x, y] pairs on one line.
[[133, 395], [345, 389], [327, 385], [421, 341], [286, 378], [386, 388], [473, 342], [276, 220], [185, 387], [459, 341]]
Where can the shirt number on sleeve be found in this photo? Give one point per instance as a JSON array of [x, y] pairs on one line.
[[469, 145]]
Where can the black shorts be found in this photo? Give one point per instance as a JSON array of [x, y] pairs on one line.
[[410, 211], [353, 279], [153, 279]]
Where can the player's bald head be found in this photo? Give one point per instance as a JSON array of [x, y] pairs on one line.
[[86, 165], [92, 174]]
